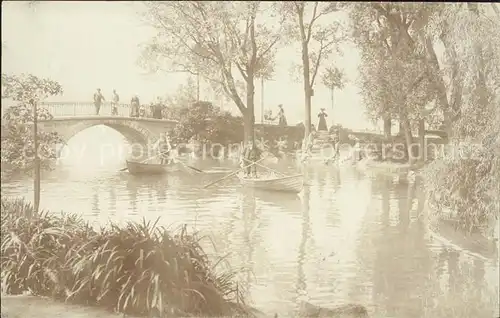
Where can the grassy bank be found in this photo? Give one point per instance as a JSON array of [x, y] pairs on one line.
[[139, 269]]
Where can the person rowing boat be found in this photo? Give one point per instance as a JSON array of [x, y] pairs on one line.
[[164, 149], [252, 153]]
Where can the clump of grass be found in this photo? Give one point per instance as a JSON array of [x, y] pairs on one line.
[[138, 269]]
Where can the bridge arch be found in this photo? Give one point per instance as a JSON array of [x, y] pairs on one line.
[[132, 132]]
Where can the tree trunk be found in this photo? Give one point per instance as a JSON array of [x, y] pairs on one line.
[[249, 116], [405, 123], [248, 122], [422, 152], [401, 128], [307, 89], [441, 87], [387, 126]]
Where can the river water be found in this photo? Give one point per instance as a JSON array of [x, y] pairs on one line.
[[347, 238]]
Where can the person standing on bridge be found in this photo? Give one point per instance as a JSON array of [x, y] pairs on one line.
[[98, 99], [114, 103], [134, 106], [158, 109], [281, 116]]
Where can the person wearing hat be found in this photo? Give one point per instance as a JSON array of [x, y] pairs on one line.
[[98, 99], [114, 103], [134, 106], [281, 116], [322, 120], [163, 147]]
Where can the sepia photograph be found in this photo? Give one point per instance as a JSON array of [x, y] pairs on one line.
[[250, 159]]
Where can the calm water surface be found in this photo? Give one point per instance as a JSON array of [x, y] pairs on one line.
[[346, 238]]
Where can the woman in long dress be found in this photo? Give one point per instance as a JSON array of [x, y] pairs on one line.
[[322, 120], [281, 116], [134, 106]]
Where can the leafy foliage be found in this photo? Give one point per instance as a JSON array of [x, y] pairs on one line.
[[401, 74], [18, 144], [139, 269], [395, 76], [467, 185], [333, 78], [205, 122], [227, 43]]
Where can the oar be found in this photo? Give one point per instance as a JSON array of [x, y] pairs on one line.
[[276, 171], [262, 166], [142, 161], [190, 167], [232, 174]]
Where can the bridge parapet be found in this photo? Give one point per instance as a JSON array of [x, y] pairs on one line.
[[65, 109]]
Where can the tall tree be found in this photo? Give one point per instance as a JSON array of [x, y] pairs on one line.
[[467, 184], [469, 35], [24, 147], [229, 44], [319, 34], [396, 77]]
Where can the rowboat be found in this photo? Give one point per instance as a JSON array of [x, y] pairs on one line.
[[152, 168], [293, 184]]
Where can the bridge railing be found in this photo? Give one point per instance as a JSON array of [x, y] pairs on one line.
[[60, 109]]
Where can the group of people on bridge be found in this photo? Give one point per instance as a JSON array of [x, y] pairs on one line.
[[136, 109]]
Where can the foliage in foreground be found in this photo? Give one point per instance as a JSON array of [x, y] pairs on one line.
[[138, 269], [467, 181]]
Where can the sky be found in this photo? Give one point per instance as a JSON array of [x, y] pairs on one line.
[[91, 44]]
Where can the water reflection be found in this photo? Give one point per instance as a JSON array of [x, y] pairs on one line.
[[112, 201], [132, 190], [249, 215], [95, 201], [346, 238], [399, 245], [301, 284]]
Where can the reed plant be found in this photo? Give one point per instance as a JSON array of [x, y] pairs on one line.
[[138, 269]]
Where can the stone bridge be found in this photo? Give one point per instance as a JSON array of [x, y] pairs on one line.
[[71, 118], [136, 130]]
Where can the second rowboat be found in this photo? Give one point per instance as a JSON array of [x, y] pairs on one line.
[[137, 168], [293, 184]]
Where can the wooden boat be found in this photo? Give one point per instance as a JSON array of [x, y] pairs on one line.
[[152, 168], [293, 184]]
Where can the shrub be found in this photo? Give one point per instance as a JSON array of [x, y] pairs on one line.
[[137, 269]]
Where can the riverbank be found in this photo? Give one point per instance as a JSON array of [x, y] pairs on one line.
[[26, 306], [139, 269]]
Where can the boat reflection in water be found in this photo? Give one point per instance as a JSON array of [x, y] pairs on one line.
[[287, 200]]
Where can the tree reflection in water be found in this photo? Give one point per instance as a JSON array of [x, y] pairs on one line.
[[248, 212], [301, 285], [132, 194], [112, 201], [402, 261]]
